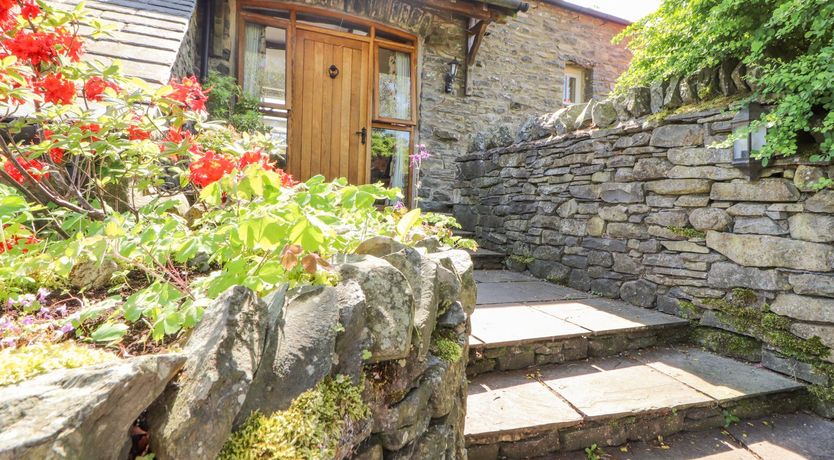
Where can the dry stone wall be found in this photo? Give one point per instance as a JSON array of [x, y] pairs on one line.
[[649, 212], [396, 324]]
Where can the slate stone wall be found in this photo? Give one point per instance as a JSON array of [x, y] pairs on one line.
[[517, 73], [648, 212], [396, 323]]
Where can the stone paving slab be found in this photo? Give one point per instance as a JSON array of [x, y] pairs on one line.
[[702, 445], [501, 276], [614, 387], [507, 405], [517, 324], [788, 437], [721, 378], [524, 291], [603, 316]]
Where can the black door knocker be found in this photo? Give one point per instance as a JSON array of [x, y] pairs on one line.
[[334, 71]]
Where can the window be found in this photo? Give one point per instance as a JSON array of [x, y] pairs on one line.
[[265, 64], [390, 151], [394, 85], [574, 87]]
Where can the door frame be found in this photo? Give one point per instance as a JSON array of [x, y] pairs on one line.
[[410, 44]]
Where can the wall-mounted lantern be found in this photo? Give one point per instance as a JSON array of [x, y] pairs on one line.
[[751, 142], [451, 74]]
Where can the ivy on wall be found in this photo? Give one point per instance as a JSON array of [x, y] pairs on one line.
[[788, 43]]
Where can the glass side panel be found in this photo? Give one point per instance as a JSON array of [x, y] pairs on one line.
[[394, 84], [336, 24], [390, 150], [265, 63], [276, 121]]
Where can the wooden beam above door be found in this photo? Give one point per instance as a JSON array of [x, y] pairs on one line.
[[466, 8]]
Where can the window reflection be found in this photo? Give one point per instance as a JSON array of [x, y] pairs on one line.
[[265, 63], [389, 157], [394, 84]]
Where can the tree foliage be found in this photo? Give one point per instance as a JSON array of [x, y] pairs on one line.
[[790, 44]]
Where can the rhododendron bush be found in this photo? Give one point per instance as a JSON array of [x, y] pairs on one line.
[[123, 212]]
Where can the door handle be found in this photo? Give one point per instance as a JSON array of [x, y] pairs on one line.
[[363, 134]]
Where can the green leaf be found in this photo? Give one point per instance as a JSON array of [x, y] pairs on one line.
[[407, 222], [109, 332]]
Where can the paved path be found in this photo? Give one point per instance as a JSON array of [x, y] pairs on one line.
[[616, 382]]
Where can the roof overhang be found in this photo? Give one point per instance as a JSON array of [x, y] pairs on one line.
[[587, 11], [489, 10]]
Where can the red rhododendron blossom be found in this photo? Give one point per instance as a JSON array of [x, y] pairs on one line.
[[286, 179], [33, 47], [71, 45], [190, 93], [95, 86], [209, 168], [57, 90], [16, 240], [33, 167], [136, 133], [30, 10], [56, 153], [255, 157]]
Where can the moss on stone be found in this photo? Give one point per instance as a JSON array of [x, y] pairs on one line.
[[17, 364], [744, 297], [446, 349], [686, 232], [688, 310], [522, 260], [714, 103], [728, 343], [311, 427]]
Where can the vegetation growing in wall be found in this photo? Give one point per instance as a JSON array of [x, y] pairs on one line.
[[790, 43], [446, 349], [311, 428], [227, 101], [687, 232], [17, 364]]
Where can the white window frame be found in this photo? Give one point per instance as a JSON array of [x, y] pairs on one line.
[[578, 74]]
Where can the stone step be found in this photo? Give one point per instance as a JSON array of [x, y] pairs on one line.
[[484, 259], [798, 436], [520, 322], [609, 401]]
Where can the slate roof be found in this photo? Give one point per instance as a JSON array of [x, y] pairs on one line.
[[146, 38]]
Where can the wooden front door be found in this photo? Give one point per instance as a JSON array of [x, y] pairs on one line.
[[330, 108]]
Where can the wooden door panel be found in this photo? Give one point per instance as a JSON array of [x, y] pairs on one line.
[[327, 113]]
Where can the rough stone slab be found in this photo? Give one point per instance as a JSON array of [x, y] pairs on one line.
[[772, 251], [702, 445], [614, 387], [788, 437], [605, 316], [763, 190], [508, 406], [516, 324], [527, 291], [501, 276], [721, 378], [804, 308]]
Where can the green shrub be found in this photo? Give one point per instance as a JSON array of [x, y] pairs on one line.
[[17, 364], [228, 102], [790, 42], [311, 428]]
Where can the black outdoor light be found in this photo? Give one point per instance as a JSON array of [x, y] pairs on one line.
[[451, 74], [751, 142]]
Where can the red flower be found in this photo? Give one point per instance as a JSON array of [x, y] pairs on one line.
[[33, 47], [71, 45], [286, 179], [33, 167], [57, 90], [209, 168], [190, 93], [15, 240], [255, 157], [176, 135], [136, 133], [56, 153], [95, 87], [30, 10]]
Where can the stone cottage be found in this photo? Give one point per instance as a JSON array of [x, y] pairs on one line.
[[352, 87]]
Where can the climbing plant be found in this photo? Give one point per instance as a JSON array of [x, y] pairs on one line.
[[788, 43]]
